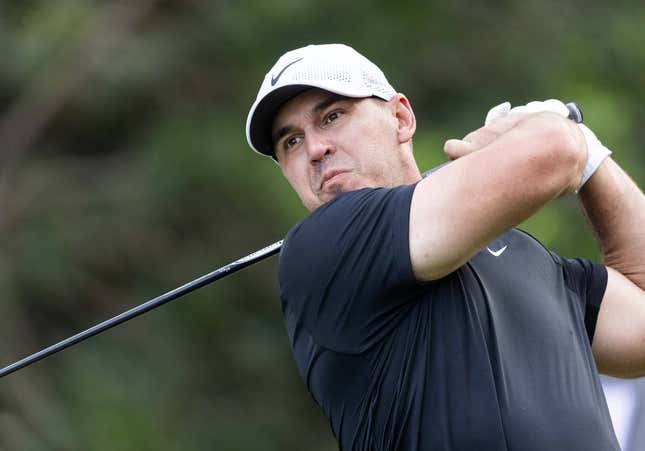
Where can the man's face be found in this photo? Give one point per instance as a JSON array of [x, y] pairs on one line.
[[328, 144]]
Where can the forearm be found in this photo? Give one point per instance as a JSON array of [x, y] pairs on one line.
[[615, 207]]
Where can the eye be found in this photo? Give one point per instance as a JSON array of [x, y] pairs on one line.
[[291, 141], [331, 117]]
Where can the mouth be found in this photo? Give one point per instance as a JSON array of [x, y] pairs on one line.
[[329, 175]]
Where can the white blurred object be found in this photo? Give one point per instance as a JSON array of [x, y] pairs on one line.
[[621, 400]]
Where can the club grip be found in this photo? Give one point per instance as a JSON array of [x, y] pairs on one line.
[[575, 113]]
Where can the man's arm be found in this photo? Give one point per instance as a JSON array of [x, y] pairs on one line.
[[615, 208], [505, 172]]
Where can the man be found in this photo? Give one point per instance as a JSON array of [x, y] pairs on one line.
[[418, 317]]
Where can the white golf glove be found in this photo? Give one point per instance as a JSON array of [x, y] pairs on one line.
[[497, 112], [596, 152]]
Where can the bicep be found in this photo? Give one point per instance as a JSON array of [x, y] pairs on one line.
[[619, 341]]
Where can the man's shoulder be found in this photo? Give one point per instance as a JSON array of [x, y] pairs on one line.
[[345, 271], [344, 229], [345, 210]]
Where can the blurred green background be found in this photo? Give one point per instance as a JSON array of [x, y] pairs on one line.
[[124, 172]]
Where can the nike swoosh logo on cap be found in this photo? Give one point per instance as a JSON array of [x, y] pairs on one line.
[[498, 252], [274, 80]]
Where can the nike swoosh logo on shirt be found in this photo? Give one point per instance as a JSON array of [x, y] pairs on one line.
[[274, 80], [497, 253]]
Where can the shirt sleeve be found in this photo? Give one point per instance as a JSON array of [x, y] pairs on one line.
[[589, 281], [345, 272]]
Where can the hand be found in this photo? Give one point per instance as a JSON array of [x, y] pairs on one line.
[[496, 117], [596, 152], [500, 119], [500, 123]]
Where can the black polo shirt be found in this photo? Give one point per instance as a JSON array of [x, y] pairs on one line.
[[495, 356]]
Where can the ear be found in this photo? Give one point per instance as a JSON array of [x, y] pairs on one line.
[[406, 122]]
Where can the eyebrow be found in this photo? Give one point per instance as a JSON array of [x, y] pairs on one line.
[[320, 106]]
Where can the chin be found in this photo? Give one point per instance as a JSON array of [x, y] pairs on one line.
[[312, 207], [322, 199]]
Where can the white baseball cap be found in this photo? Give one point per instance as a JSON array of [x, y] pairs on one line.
[[336, 68]]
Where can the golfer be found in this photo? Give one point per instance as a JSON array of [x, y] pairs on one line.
[[419, 317]]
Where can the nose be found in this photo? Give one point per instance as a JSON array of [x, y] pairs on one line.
[[318, 147]]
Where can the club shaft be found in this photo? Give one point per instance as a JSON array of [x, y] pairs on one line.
[[145, 307]]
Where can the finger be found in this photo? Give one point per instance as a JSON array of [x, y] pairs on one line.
[[456, 148], [482, 136]]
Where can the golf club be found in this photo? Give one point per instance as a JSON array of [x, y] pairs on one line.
[[575, 114]]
